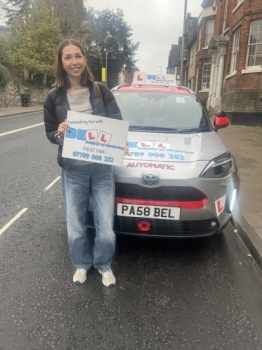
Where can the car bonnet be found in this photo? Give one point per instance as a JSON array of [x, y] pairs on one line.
[[170, 156]]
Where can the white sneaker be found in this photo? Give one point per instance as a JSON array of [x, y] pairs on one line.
[[80, 276], [108, 278]]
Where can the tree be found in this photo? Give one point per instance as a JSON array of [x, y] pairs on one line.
[[71, 13], [34, 40], [14, 8], [5, 76], [5, 49], [111, 34]]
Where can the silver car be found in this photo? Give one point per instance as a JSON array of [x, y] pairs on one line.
[[179, 179]]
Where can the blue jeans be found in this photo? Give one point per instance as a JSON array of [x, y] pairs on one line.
[[80, 183]]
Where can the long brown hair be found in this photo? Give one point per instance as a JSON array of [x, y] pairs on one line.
[[61, 78]]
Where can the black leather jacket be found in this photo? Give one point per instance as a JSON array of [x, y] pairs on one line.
[[56, 106]]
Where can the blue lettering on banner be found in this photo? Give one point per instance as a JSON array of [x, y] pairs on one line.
[[151, 77], [94, 157], [132, 144], [78, 134], [81, 155], [136, 154], [176, 156]]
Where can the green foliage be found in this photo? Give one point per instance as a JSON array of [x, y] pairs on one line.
[[34, 40], [5, 76], [5, 49], [109, 32], [37, 27]]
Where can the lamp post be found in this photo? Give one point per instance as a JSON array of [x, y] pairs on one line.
[[183, 45], [106, 64]]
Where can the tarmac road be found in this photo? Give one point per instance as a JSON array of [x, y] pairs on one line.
[[170, 294]]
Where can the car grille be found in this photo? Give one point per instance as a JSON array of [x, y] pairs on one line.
[[164, 228], [174, 193]]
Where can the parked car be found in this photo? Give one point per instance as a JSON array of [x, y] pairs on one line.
[[179, 179]]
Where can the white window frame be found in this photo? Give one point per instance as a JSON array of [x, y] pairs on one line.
[[235, 51], [196, 82], [256, 45], [199, 40], [206, 77], [209, 31], [239, 3]]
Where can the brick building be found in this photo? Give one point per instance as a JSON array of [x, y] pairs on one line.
[[203, 58], [226, 68], [241, 22]]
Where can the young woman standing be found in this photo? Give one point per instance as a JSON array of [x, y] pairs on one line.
[[74, 89]]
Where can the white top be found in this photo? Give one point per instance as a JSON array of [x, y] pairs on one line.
[[79, 101]]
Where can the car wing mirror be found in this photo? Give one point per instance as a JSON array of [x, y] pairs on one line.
[[220, 120]]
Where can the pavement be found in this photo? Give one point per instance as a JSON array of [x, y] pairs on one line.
[[245, 143], [9, 111]]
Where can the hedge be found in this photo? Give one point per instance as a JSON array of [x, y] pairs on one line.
[[5, 76]]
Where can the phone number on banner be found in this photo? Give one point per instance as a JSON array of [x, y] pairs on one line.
[[156, 155], [93, 157]]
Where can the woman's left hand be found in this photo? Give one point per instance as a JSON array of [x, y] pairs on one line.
[[126, 148]]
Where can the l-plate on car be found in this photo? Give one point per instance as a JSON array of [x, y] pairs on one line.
[[179, 179]]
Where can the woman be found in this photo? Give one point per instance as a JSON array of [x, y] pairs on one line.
[[74, 89]]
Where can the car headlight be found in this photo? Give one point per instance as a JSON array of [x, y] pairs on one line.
[[219, 167]]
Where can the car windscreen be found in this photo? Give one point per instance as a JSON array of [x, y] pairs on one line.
[[157, 110]]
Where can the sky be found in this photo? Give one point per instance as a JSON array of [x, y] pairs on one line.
[[156, 24]]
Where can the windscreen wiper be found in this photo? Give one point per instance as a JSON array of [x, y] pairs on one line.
[[152, 129], [193, 130]]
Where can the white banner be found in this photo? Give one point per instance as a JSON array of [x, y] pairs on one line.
[[95, 139]]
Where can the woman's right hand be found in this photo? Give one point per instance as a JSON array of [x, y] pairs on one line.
[[63, 127]]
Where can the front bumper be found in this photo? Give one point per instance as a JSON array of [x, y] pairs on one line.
[[163, 228]]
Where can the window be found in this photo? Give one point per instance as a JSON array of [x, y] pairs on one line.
[[209, 31], [160, 109], [206, 76], [235, 51], [254, 57]]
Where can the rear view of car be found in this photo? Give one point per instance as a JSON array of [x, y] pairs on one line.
[[179, 178]]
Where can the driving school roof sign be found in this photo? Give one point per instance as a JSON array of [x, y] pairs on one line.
[[142, 78]]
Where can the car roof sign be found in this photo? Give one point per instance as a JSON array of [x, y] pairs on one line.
[[142, 78]]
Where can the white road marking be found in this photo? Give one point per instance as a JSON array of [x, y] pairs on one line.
[[21, 129], [13, 220], [19, 115], [52, 183]]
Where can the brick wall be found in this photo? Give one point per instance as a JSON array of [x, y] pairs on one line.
[[241, 92], [10, 96]]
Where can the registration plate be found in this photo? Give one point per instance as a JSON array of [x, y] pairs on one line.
[[148, 211]]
